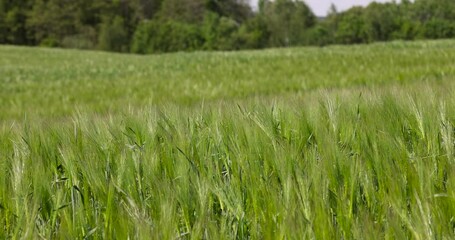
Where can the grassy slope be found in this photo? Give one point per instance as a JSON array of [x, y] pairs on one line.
[[56, 82], [339, 142]]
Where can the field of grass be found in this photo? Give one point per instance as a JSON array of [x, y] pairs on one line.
[[339, 142]]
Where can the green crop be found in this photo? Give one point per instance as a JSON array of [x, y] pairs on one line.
[[307, 143]]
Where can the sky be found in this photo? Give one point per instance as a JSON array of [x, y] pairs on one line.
[[321, 7]]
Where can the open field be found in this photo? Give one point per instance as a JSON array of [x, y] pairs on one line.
[[309, 143], [55, 83]]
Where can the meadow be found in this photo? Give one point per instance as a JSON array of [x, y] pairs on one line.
[[340, 142]]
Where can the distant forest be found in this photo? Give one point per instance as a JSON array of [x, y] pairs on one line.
[[156, 26]]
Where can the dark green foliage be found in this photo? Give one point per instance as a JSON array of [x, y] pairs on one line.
[[438, 28], [113, 35], [219, 32], [287, 21], [169, 36], [319, 35], [215, 24], [238, 10], [189, 11], [381, 22], [253, 34], [351, 27], [51, 21], [3, 26], [13, 17]]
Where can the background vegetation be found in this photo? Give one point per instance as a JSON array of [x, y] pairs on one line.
[[306, 143], [151, 26]]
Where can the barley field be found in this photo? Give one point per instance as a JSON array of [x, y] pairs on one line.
[[341, 142]]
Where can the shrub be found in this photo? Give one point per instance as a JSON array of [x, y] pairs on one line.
[[165, 36], [438, 28], [218, 32], [113, 35]]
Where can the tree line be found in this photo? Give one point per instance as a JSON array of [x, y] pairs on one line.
[[154, 26]]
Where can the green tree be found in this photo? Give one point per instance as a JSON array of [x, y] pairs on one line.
[[252, 34], [382, 21], [408, 26], [218, 32], [159, 36], [13, 16], [425, 10], [436, 18], [113, 35], [436, 28], [146, 9], [188, 11], [238, 10], [3, 26], [50, 21], [351, 27], [287, 21]]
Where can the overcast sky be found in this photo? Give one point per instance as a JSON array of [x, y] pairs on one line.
[[321, 7]]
